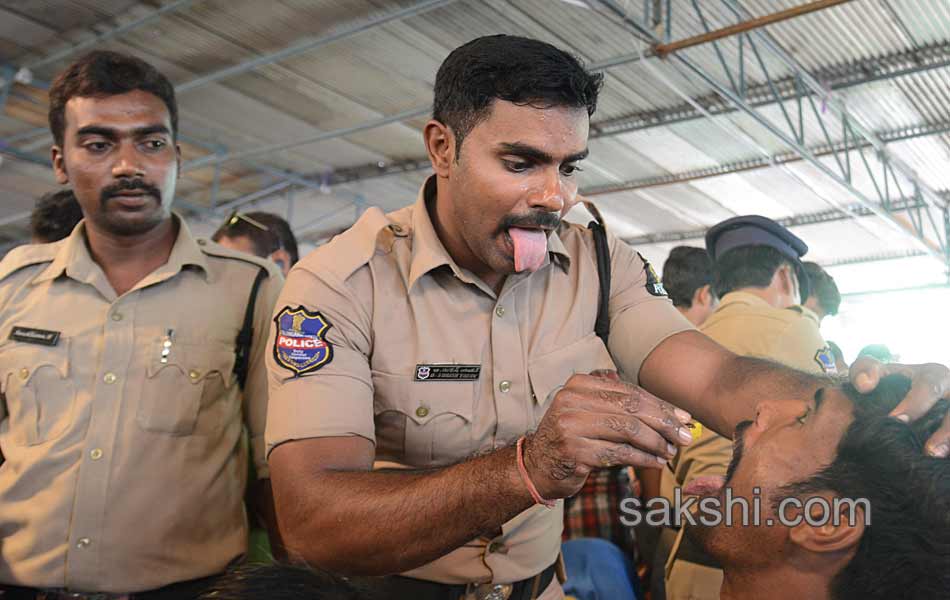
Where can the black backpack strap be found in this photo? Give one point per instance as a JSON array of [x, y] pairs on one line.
[[602, 324], [242, 349]]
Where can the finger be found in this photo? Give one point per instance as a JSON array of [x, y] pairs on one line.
[[606, 374], [598, 384], [939, 443], [655, 413], [866, 372], [622, 429], [598, 454], [929, 383]]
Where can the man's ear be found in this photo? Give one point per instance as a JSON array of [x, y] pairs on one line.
[[839, 532], [440, 144], [59, 164], [703, 296], [282, 259]]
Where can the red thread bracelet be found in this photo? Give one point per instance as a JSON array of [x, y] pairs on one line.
[[527, 480]]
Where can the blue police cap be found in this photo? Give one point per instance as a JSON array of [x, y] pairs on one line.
[[753, 230]]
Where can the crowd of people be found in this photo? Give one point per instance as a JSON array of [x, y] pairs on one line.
[[461, 399]]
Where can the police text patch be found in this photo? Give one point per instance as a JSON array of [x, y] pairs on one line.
[[653, 285], [301, 345], [826, 360], [29, 335], [447, 372]]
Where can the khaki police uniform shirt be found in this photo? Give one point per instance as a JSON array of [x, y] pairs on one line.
[[749, 326], [124, 472], [398, 308]]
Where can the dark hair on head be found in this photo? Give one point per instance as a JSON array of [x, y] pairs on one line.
[[510, 68], [281, 228], [264, 241], [55, 216], [282, 582], [749, 266], [104, 73], [686, 270], [823, 287], [905, 551]]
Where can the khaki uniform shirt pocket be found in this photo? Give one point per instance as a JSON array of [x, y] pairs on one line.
[[549, 372], [40, 397], [187, 388], [423, 424]]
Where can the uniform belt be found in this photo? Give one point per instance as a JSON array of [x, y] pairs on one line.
[[408, 588], [184, 590]]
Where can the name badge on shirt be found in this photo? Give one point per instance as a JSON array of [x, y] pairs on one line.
[[447, 372], [43, 337]]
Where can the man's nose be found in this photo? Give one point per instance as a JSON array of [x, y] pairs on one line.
[[550, 197], [128, 163]]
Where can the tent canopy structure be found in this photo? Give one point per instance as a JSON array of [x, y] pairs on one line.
[[831, 116]]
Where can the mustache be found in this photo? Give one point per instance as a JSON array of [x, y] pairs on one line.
[[738, 445], [128, 185], [540, 219]]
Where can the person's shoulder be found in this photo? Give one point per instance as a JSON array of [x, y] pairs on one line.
[[236, 259], [29, 258], [375, 235]]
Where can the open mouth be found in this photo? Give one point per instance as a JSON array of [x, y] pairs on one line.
[[528, 245]]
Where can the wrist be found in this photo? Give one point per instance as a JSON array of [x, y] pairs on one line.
[[527, 481]]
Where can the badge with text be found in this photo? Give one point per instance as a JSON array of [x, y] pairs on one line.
[[826, 359], [43, 337], [653, 285], [447, 372], [301, 345]]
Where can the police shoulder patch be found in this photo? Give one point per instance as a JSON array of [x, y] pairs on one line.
[[301, 345], [826, 360], [654, 285]]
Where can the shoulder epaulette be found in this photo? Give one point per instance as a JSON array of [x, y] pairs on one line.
[[356, 246], [214, 249], [28, 255]]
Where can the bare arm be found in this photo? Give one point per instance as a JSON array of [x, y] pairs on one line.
[[716, 386], [334, 513]]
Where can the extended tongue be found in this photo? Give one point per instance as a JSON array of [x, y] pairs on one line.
[[530, 248]]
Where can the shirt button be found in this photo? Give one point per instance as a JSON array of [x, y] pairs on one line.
[[110, 378], [83, 543], [504, 386], [495, 547], [194, 374], [500, 311], [95, 454], [24, 373], [116, 316], [422, 412]]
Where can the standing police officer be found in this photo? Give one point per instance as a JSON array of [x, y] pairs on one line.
[[125, 462], [759, 274], [457, 337]]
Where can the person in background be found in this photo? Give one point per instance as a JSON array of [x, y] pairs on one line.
[[262, 234], [54, 217], [126, 382], [823, 299], [688, 279], [758, 270], [879, 352]]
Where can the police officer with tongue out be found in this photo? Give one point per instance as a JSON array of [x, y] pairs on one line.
[[454, 340]]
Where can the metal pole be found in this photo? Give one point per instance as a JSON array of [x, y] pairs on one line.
[[663, 50], [311, 44]]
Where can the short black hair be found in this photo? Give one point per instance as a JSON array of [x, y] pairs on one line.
[[686, 270], [277, 235], [282, 582], [905, 551], [104, 73], [510, 68], [823, 287], [749, 266], [55, 216]]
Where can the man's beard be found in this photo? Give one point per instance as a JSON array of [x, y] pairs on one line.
[[738, 446]]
